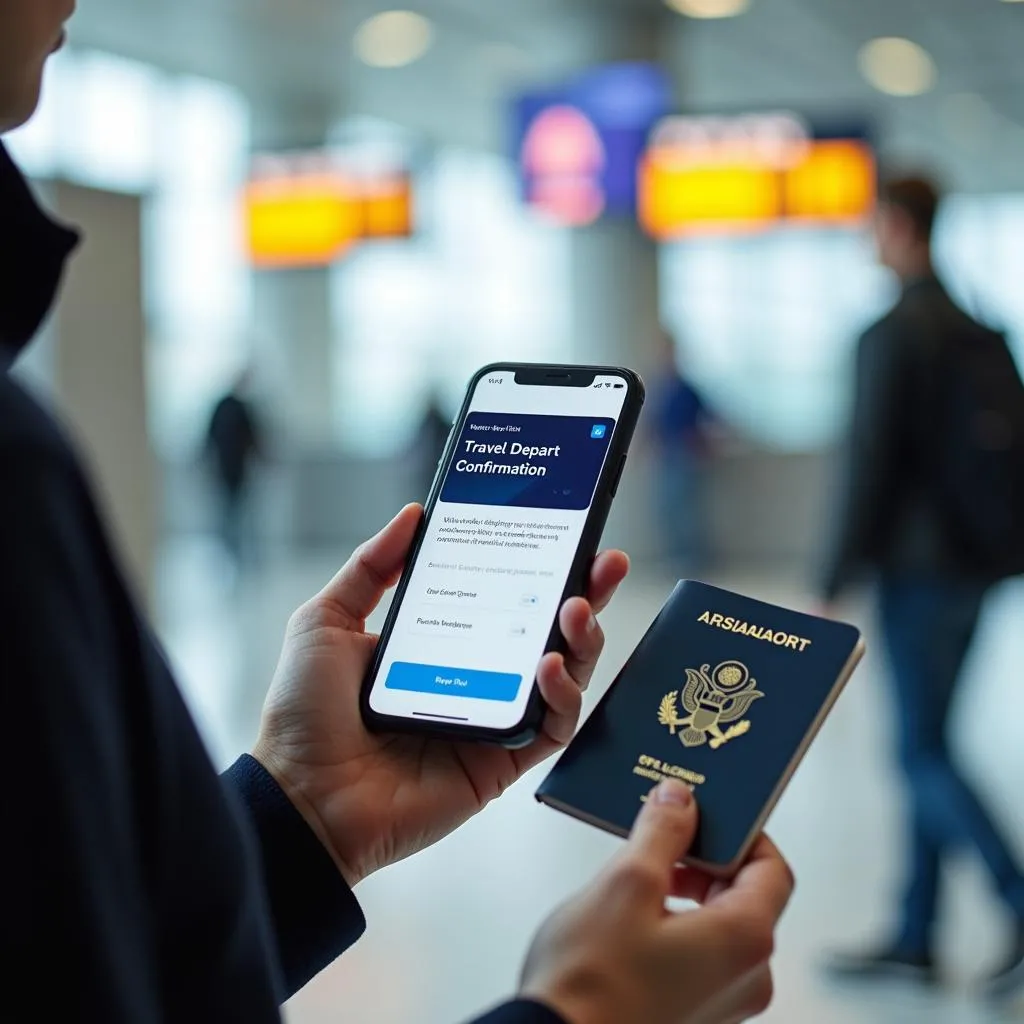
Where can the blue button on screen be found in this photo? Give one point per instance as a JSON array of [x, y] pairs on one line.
[[456, 682], [598, 431]]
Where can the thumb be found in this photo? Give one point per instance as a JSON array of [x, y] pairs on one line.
[[373, 569], [665, 828]]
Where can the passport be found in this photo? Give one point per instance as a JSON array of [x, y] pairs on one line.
[[725, 693]]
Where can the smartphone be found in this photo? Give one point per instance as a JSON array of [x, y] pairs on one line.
[[511, 527]]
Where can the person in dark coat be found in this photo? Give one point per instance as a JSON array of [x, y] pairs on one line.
[[892, 523], [234, 445], [144, 889]]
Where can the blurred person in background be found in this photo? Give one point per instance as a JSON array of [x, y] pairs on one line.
[[234, 445], [929, 507], [150, 889], [679, 425]]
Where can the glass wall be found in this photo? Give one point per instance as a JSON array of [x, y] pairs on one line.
[[980, 253], [483, 280], [767, 324]]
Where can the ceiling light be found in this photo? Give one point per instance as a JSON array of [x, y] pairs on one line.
[[709, 8], [393, 39], [897, 66]]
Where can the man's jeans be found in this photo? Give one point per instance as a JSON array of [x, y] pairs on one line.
[[928, 626]]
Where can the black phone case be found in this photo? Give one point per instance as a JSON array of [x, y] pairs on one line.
[[527, 729]]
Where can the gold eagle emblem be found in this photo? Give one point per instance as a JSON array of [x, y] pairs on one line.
[[711, 699]]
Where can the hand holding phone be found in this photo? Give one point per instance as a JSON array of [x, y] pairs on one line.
[[376, 798], [510, 530]]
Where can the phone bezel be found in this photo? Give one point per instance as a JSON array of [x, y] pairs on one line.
[[547, 374]]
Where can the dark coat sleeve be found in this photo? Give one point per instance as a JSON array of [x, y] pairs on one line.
[[76, 881], [315, 915], [124, 856], [869, 483], [522, 1011]]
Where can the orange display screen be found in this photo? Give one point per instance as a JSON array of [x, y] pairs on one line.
[[307, 219], [827, 182]]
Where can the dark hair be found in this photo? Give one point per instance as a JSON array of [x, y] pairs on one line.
[[918, 198]]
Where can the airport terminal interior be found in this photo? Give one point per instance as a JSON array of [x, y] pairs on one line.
[[336, 212]]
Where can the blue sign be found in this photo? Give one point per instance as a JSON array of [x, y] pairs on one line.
[[579, 146], [525, 461]]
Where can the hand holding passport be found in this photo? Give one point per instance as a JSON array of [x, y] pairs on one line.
[[724, 693], [612, 955]]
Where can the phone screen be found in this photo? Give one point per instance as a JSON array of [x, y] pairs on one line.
[[497, 551]]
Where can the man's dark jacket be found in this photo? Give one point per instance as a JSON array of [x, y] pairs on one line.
[[890, 518], [138, 886]]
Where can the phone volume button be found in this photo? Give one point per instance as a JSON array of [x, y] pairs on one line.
[[618, 476]]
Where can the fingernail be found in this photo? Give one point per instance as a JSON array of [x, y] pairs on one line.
[[672, 791], [591, 624]]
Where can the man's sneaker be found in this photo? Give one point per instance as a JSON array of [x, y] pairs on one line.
[[1008, 980], [885, 965]]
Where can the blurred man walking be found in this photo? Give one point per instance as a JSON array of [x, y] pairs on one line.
[[932, 505]]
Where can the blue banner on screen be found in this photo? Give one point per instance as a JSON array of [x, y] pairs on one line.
[[579, 145], [528, 461]]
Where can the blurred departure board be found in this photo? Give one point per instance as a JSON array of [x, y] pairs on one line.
[[309, 209], [704, 175]]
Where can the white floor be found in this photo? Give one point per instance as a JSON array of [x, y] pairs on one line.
[[447, 929]]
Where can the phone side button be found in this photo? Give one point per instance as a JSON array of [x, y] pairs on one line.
[[618, 476]]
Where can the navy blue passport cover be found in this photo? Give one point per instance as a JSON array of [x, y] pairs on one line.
[[724, 692]]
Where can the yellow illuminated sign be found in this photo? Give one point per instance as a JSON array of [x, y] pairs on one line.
[[387, 210], [835, 183], [299, 218], [300, 223], [735, 176], [678, 201]]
